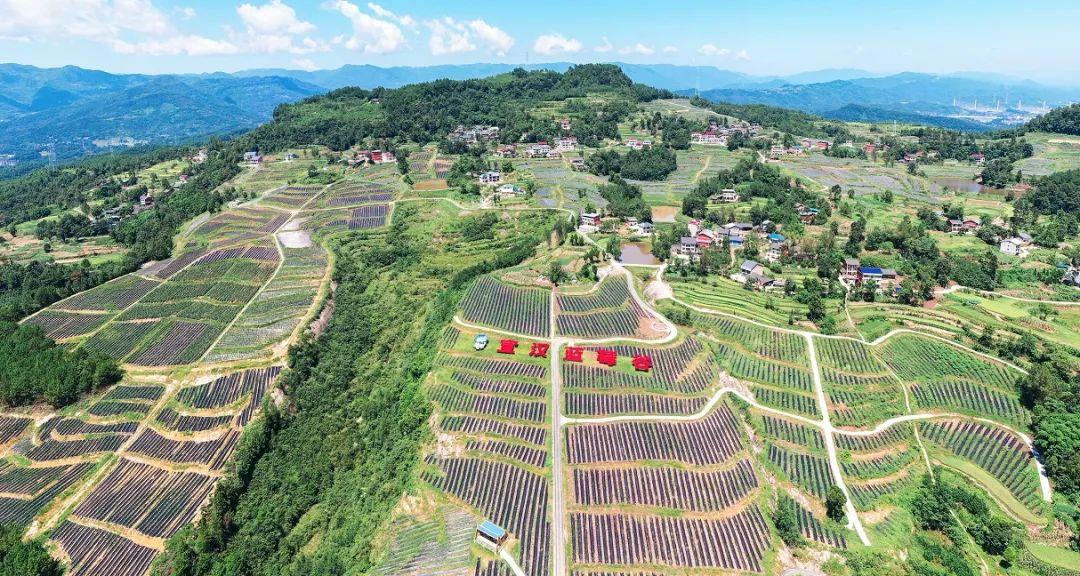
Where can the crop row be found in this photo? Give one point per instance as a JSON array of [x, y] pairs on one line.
[[665, 487], [167, 268], [669, 365], [711, 440], [148, 393], [611, 293], [28, 481], [209, 453], [227, 390], [361, 199], [865, 495], [110, 408], [785, 400], [21, 511], [862, 406], [51, 450], [589, 404], [805, 470], [499, 386], [153, 501], [476, 425], [453, 399], [604, 324], [115, 295], [793, 432], [181, 343], [118, 339], [756, 369], [512, 497], [370, 216], [524, 454], [915, 358], [76, 427], [496, 367], [878, 466], [993, 449], [735, 543], [774, 344], [848, 355], [173, 420], [812, 528], [59, 325], [888, 437], [971, 397], [519, 310], [11, 427], [95, 552], [592, 377]]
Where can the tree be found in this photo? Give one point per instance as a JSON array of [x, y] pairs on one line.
[[556, 273], [1042, 311], [614, 247], [835, 501], [787, 522], [18, 558]]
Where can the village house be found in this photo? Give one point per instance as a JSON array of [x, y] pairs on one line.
[[578, 165], [636, 144], [490, 177], [200, 157], [971, 223], [564, 124], [705, 238], [686, 249], [1015, 246], [806, 214], [539, 149], [590, 219], [776, 151], [474, 134], [252, 158], [850, 270], [508, 190], [708, 138], [956, 225], [644, 228], [566, 144], [490, 536], [749, 267], [776, 248], [506, 151], [553, 154], [1072, 276], [726, 196]]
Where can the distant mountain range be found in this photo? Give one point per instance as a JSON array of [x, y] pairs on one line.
[[74, 111]]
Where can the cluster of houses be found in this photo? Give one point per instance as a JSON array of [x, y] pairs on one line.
[[477, 133], [372, 157], [7, 160], [753, 272], [701, 238], [592, 222], [635, 144], [964, 225], [716, 135], [854, 273]]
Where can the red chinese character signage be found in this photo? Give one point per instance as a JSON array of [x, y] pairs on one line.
[[606, 357], [507, 346], [642, 363], [539, 350], [573, 353]]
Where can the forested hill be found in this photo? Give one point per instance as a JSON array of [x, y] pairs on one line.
[[1064, 120]]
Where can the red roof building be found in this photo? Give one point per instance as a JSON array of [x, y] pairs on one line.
[[539, 349], [507, 346], [573, 353], [642, 363], [606, 357]]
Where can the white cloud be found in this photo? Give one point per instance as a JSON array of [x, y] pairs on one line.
[[670, 50], [274, 17], [174, 45], [713, 50], [370, 35], [637, 48], [742, 55], [550, 44], [403, 19], [305, 64], [493, 38], [186, 12], [448, 36], [604, 48], [99, 20]]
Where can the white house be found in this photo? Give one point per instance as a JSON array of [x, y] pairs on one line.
[[491, 177], [1012, 246], [567, 144]]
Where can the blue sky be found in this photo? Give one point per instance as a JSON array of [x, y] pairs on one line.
[[1027, 39]]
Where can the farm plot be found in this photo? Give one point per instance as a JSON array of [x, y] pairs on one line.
[[110, 296], [697, 380], [344, 194], [848, 356], [67, 428], [792, 432], [510, 308], [11, 427], [709, 441], [165, 269], [454, 400], [368, 217], [177, 422], [971, 398], [95, 552], [757, 369], [439, 545], [60, 325], [27, 482], [228, 391], [154, 501], [53, 450], [878, 465], [807, 471], [119, 408], [772, 344], [812, 528], [21, 510], [209, 453], [1001, 454], [608, 312], [735, 543], [275, 313], [609, 404], [672, 364], [670, 488], [919, 359], [494, 367], [530, 456], [892, 436], [291, 196], [239, 225], [510, 496], [178, 343], [472, 425], [867, 495], [786, 400], [498, 386]]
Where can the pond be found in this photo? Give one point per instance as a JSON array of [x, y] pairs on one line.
[[963, 185], [637, 253]]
